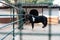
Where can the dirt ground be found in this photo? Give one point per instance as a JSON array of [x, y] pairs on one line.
[[38, 33]]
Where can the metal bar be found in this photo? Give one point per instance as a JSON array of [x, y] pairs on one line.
[[13, 25], [42, 11], [50, 24], [36, 34], [50, 20], [10, 23], [8, 4], [8, 33], [19, 17], [13, 15], [5, 36]]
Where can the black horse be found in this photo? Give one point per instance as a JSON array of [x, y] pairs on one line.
[[37, 19]]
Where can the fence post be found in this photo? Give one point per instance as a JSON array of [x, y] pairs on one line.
[[20, 27], [50, 21], [20, 16], [13, 24]]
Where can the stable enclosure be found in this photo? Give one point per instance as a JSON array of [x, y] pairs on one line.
[[9, 30], [38, 11]]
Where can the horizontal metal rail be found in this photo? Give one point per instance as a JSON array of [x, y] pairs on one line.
[[8, 4], [36, 34], [8, 33], [10, 23], [13, 15]]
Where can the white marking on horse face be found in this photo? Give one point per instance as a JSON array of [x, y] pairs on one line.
[[33, 19]]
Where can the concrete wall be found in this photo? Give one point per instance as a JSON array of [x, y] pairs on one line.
[[6, 12], [54, 15], [6, 19]]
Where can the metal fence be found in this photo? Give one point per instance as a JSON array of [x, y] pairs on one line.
[[12, 32]]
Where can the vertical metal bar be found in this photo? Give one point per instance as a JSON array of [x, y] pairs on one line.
[[12, 20], [20, 17], [49, 21], [21, 26], [20, 34], [42, 11], [49, 24], [13, 25]]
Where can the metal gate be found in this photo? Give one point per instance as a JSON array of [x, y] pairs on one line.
[[20, 22]]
